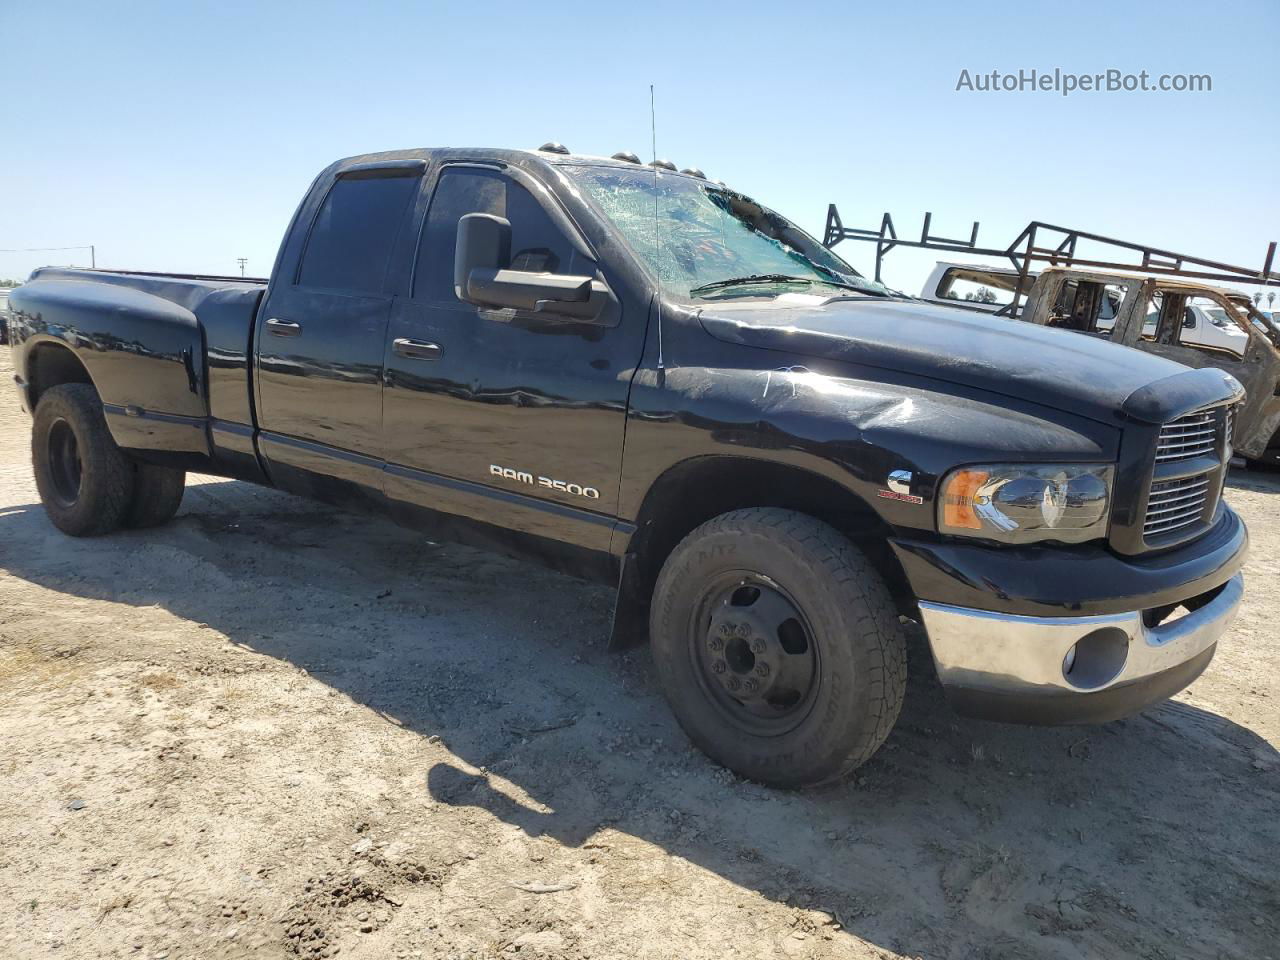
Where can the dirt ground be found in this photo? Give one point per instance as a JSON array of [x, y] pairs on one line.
[[275, 731]]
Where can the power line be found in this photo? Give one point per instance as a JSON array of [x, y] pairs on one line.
[[93, 253], [42, 249]]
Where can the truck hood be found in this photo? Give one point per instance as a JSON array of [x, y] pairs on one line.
[[1061, 369]]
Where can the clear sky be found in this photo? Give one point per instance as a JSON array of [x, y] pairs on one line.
[[181, 135]]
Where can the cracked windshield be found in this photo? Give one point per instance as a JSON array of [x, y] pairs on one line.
[[707, 242]]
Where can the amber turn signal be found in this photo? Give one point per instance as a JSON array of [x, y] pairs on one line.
[[958, 499]]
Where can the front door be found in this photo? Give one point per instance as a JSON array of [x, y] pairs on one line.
[[321, 333], [504, 417]]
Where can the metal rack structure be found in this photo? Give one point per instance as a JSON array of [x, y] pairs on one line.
[[1046, 243]]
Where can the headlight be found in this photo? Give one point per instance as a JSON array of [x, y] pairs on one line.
[[1023, 503]]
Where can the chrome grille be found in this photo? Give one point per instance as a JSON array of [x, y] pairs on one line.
[[1185, 485], [1174, 504], [1194, 435]]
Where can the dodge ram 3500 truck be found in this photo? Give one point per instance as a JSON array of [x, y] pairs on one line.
[[641, 376]]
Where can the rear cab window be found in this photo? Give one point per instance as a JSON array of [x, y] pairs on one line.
[[355, 231]]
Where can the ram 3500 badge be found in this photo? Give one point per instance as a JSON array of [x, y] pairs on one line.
[[523, 476]]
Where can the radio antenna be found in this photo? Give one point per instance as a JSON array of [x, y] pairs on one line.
[[657, 241]]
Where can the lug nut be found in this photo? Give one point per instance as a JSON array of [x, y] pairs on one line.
[[757, 646], [744, 630], [753, 684], [762, 669], [726, 630], [734, 683], [718, 666], [716, 644]]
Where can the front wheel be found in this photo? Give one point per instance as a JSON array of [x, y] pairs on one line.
[[778, 647]]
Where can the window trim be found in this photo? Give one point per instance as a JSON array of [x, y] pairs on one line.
[[378, 170]]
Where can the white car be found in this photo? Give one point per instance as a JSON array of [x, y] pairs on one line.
[[1206, 324]]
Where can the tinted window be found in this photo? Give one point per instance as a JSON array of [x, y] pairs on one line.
[[354, 232], [537, 245]]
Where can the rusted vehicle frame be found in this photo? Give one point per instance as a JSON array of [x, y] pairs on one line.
[[1072, 299], [1157, 271]]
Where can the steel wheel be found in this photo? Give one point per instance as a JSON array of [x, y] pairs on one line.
[[755, 654], [777, 646], [65, 467]]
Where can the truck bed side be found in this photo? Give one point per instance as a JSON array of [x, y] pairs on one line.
[[169, 355]]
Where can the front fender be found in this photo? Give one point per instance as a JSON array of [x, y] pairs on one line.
[[851, 431]]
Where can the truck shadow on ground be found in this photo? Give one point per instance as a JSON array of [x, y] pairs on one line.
[[1146, 837]]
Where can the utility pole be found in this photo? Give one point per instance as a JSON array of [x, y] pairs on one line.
[[242, 261]]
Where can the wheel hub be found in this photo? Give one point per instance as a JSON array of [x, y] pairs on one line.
[[744, 659], [756, 652]]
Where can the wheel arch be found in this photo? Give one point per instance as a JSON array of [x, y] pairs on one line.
[[51, 363], [694, 491]]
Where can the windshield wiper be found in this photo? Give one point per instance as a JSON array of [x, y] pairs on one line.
[[851, 283], [754, 278]]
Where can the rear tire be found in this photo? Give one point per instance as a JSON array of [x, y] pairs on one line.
[[85, 482], [157, 494], [778, 647]]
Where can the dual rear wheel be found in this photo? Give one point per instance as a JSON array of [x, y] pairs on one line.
[[88, 486]]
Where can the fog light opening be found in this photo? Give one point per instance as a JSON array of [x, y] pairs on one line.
[[1096, 658]]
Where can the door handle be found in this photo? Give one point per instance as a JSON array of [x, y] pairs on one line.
[[283, 328], [416, 349]]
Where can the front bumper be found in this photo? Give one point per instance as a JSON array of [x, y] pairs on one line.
[[1014, 668]]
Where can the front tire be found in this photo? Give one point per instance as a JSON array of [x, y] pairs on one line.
[[778, 647], [85, 482]]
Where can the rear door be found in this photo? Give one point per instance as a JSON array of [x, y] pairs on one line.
[[322, 329]]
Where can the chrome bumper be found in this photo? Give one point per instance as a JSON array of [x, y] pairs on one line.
[[1071, 669]]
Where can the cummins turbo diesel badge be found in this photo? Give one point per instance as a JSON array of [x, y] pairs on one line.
[[899, 484], [522, 476]]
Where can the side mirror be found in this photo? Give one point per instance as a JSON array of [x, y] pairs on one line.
[[484, 243], [480, 276]]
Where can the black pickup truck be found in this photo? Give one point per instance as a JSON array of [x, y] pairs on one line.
[[641, 376]]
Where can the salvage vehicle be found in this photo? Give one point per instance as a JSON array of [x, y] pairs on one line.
[[638, 375], [1163, 305], [1162, 316], [988, 288]]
